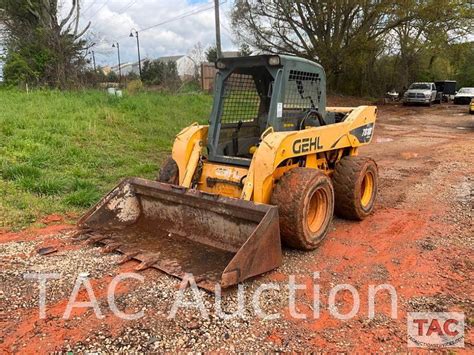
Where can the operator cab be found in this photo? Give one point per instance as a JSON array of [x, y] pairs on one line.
[[255, 93], [243, 117]]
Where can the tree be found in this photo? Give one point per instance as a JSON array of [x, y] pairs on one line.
[[198, 56], [41, 48], [427, 35], [462, 57], [328, 31], [112, 77], [151, 72], [245, 50], [156, 72], [211, 54], [349, 38]]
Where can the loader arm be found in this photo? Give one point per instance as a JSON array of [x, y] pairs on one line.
[[187, 151], [356, 130]]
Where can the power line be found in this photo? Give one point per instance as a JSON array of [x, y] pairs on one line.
[[128, 6], [121, 11], [189, 13], [183, 15], [227, 33], [90, 6], [226, 29], [100, 9]]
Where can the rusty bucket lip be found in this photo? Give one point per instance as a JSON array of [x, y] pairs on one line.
[[265, 216]]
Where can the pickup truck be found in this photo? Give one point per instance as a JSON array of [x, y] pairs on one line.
[[421, 93]]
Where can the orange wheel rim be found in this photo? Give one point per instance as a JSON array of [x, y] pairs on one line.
[[317, 210], [367, 189]]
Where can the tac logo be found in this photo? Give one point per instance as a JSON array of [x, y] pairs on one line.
[[306, 145], [435, 329]]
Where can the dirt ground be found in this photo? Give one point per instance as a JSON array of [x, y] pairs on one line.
[[419, 240]]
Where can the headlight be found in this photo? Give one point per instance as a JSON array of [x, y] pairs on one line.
[[427, 96], [220, 65], [275, 60]]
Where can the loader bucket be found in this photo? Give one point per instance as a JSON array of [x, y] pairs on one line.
[[176, 230]]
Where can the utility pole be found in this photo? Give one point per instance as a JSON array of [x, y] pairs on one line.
[[93, 61], [138, 47], [117, 45], [218, 29]]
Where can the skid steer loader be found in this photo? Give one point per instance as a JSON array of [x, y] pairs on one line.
[[273, 161]]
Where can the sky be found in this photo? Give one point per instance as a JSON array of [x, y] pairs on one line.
[[112, 21]]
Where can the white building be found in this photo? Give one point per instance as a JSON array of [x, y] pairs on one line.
[[127, 68], [184, 64]]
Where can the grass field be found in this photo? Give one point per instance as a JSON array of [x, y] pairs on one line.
[[60, 152]]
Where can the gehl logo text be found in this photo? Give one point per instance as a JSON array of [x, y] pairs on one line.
[[306, 145]]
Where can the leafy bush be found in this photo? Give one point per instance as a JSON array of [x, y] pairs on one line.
[[112, 77], [157, 72], [134, 86], [17, 71]]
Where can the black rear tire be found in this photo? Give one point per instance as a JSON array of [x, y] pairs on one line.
[[169, 172], [355, 182]]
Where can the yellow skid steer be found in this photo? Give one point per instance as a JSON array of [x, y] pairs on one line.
[[274, 164]]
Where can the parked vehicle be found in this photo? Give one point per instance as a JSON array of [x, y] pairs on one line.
[[446, 89], [392, 96], [464, 96], [421, 93], [471, 107]]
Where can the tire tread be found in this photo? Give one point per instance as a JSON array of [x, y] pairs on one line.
[[345, 177], [288, 195]]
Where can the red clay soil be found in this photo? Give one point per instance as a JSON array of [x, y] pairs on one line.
[[419, 240]]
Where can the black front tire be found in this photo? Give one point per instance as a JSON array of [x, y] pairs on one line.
[[305, 200], [169, 172]]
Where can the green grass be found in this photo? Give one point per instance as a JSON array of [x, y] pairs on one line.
[[61, 151]]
